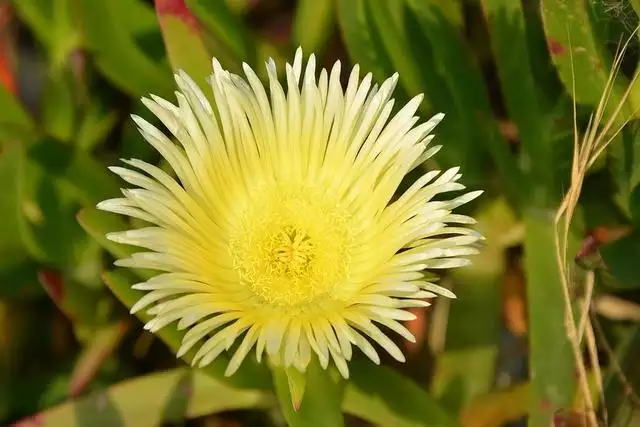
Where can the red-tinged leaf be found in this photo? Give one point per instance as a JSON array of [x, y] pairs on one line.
[[101, 346], [230, 40], [6, 74], [182, 36], [76, 301], [52, 283]]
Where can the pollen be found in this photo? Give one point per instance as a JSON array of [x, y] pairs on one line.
[[293, 247]]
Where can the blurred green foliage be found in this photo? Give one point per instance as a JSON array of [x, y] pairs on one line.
[[506, 73]]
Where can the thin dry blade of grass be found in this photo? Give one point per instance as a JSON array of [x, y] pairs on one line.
[[585, 153]]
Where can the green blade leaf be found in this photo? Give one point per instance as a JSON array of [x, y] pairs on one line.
[[53, 25], [509, 42], [571, 38], [96, 125], [47, 209], [182, 38], [88, 179], [14, 260], [358, 33], [297, 385], [551, 362], [322, 396], [77, 302], [634, 205], [456, 86], [389, 20], [58, 107], [15, 122], [312, 24], [621, 259], [383, 397], [618, 379], [117, 54], [165, 397], [98, 223], [226, 27], [103, 343], [624, 164]]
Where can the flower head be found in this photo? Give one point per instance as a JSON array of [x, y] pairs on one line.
[[281, 229]]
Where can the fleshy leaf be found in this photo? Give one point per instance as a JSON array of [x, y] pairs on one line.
[[551, 360], [168, 397], [183, 40], [621, 260], [381, 396], [579, 56], [117, 54], [76, 301], [103, 343], [323, 390], [312, 24], [227, 28]]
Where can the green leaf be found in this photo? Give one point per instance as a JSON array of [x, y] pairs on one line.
[[50, 231], [618, 379], [634, 205], [103, 343], [455, 84], [117, 54], [15, 122], [138, 17], [88, 180], [38, 15], [312, 24], [524, 104], [59, 107], [389, 18], [98, 223], [44, 213], [624, 154], [323, 395], [14, 261], [225, 26], [52, 24], [10, 163], [77, 302], [551, 363], [94, 128], [297, 384], [181, 33], [383, 397], [571, 38], [621, 259], [250, 374], [154, 399], [358, 32]]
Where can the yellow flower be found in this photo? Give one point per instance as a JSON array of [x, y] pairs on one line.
[[281, 230]]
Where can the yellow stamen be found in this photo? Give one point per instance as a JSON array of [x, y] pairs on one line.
[[293, 246]]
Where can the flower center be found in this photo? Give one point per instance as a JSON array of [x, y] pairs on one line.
[[292, 252], [293, 248]]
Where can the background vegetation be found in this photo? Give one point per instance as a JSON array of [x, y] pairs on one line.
[[546, 325]]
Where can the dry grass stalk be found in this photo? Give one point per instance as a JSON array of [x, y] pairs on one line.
[[585, 152]]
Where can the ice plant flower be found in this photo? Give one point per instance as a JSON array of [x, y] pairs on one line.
[[282, 230]]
